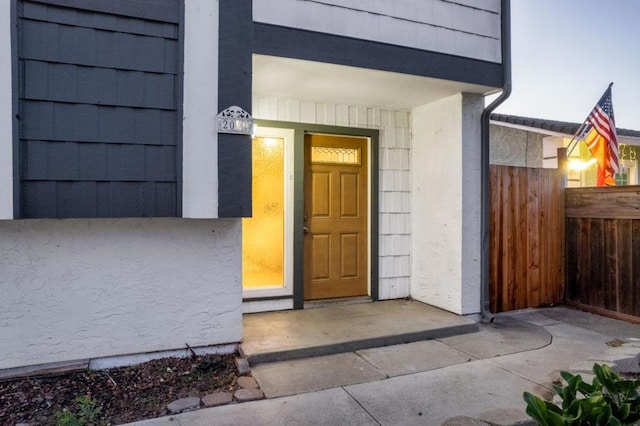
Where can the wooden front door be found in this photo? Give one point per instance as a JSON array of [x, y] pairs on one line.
[[335, 217]]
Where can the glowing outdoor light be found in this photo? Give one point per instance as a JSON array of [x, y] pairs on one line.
[[579, 165]]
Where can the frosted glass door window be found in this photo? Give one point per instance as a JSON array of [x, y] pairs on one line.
[[263, 234]]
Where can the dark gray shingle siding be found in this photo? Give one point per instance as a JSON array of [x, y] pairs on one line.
[[155, 10], [99, 126]]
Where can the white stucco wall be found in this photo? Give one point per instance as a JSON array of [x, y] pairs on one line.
[[446, 201], [469, 28], [76, 289], [6, 136], [200, 137], [394, 175]]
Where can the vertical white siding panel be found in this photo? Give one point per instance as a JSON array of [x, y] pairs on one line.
[[406, 285], [393, 288], [6, 114], [404, 159], [330, 114], [391, 141], [342, 115], [386, 180], [394, 158], [383, 290], [403, 267], [383, 223], [307, 112], [402, 119], [373, 117], [272, 109], [404, 138], [294, 110], [259, 106], [394, 241], [385, 246], [283, 110], [383, 160], [361, 117], [405, 245], [405, 201], [321, 113], [200, 137], [353, 116], [388, 118]]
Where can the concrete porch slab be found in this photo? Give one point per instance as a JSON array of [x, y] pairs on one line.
[[286, 335]]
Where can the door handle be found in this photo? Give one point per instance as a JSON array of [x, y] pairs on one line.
[[305, 230]]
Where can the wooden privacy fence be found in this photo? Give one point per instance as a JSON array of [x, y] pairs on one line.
[[526, 237], [602, 235]]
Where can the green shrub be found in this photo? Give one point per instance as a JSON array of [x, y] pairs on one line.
[[609, 400]]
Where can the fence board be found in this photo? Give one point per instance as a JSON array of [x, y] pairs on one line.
[[624, 279], [621, 202], [533, 236], [635, 266], [603, 233], [526, 238]]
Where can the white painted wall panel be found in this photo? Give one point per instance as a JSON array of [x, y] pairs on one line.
[[394, 219], [74, 289], [465, 28], [445, 214], [200, 137], [6, 136]]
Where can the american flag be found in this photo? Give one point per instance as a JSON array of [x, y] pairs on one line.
[[602, 139]]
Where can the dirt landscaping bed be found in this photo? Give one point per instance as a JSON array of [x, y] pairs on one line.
[[117, 395]]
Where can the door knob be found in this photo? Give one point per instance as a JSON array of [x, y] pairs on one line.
[[305, 230]]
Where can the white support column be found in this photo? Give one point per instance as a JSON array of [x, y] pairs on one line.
[[200, 137], [6, 111], [445, 248]]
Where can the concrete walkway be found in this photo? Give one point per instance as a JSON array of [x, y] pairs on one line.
[[481, 375]]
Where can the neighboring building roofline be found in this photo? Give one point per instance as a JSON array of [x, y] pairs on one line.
[[552, 127]]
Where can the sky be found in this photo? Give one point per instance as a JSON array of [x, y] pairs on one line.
[[566, 52]]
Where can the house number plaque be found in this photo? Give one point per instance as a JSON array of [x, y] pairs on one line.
[[235, 120]]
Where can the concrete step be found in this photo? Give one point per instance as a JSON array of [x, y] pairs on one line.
[[289, 335]]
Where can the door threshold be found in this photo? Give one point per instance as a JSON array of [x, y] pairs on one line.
[[311, 304]]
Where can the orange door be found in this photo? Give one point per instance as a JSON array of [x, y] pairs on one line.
[[335, 215]]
